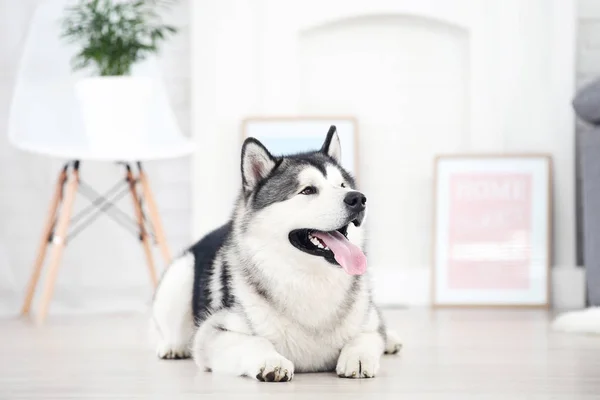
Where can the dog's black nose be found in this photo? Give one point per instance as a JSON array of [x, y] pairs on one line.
[[355, 201]]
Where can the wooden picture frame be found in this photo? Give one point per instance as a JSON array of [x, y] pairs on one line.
[[492, 231], [286, 135]]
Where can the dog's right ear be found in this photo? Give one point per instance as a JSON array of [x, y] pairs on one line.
[[257, 163]]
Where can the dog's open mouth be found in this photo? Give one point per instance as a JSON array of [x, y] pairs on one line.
[[334, 246]]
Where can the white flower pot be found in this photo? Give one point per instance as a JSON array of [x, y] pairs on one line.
[[115, 109]]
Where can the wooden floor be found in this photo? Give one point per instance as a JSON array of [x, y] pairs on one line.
[[459, 355]]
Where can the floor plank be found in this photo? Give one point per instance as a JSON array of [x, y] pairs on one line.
[[448, 354]]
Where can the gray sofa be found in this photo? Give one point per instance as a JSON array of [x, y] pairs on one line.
[[587, 108]]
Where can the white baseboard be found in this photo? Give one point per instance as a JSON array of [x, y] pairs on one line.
[[412, 287], [401, 286], [568, 287]]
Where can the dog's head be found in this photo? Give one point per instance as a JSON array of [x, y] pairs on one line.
[[303, 206]]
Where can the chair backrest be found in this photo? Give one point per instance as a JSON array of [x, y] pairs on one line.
[[45, 114]]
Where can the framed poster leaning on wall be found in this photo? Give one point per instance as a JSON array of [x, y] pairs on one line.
[[492, 231]]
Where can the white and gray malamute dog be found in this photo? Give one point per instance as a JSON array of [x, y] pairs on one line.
[[283, 286]]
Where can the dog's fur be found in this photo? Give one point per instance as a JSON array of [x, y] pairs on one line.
[[245, 301]]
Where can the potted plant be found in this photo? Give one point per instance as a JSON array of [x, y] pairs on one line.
[[111, 37]]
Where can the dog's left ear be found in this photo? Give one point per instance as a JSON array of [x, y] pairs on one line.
[[257, 163], [332, 146]]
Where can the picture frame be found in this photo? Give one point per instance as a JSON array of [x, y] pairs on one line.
[[287, 135], [492, 231]]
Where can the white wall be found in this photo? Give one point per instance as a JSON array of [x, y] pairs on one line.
[[310, 57], [104, 262], [406, 80]]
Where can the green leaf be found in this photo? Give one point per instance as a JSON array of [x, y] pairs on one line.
[[113, 36]]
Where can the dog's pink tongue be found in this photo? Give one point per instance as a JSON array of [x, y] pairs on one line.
[[348, 255]]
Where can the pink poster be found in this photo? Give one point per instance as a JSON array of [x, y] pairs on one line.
[[490, 231]]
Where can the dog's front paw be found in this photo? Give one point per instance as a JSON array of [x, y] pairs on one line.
[[167, 351], [393, 344], [275, 369], [354, 363]]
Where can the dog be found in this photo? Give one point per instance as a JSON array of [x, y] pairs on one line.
[[283, 286]]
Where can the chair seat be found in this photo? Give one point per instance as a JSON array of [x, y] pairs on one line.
[[175, 147]]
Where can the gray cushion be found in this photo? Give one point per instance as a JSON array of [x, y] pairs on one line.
[[587, 103]]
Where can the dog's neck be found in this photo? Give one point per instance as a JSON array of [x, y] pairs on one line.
[[287, 275]]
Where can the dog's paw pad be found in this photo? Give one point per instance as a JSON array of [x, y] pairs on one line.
[[355, 364], [276, 369], [169, 352]]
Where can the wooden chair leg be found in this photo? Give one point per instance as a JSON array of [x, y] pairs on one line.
[[155, 217], [59, 242], [43, 246], [143, 234]]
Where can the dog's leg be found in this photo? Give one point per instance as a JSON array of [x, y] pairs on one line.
[[172, 310], [393, 344], [360, 357], [218, 349]]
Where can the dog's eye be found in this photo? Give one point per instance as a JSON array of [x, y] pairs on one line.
[[309, 190], [343, 185]]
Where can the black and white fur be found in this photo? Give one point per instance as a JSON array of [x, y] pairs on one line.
[[245, 301]]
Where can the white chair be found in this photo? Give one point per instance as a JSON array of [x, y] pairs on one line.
[[45, 118]]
